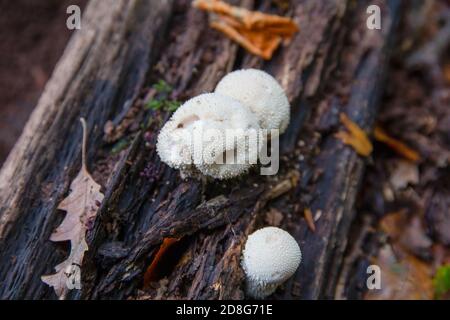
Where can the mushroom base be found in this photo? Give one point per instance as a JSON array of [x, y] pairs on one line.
[[259, 290]]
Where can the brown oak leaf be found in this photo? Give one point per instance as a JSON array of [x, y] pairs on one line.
[[81, 206]]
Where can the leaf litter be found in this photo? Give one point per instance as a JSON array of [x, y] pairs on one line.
[[259, 33], [81, 206], [354, 137]]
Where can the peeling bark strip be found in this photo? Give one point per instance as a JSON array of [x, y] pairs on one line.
[[333, 65]]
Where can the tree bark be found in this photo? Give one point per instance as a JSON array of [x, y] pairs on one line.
[[102, 69], [334, 64]]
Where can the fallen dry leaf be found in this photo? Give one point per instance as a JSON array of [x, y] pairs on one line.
[[407, 232], [81, 206], [309, 219], [398, 146], [151, 272], [257, 32], [257, 43], [355, 137], [403, 174], [403, 277], [392, 223], [282, 187]]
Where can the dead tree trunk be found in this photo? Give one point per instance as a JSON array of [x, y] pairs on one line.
[[334, 64]]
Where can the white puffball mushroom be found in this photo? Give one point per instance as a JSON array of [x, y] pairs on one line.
[[179, 142], [260, 92], [234, 157], [271, 256]]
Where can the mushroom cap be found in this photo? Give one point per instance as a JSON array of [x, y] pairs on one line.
[[176, 142], [235, 157], [260, 92], [271, 256]]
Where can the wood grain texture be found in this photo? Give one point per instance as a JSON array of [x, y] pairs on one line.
[[103, 67], [334, 64]]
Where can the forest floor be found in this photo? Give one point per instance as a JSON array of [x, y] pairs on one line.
[[408, 202], [33, 36]]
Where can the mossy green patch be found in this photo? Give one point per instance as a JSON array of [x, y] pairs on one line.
[[162, 101], [120, 145], [441, 281]]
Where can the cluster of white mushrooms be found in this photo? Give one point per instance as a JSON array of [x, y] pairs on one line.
[[243, 100], [246, 101]]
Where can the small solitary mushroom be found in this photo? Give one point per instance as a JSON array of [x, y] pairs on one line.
[[184, 143], [260, 92], [270, 257]]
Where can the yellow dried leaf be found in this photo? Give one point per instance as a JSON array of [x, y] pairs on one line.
[[260, 44], [355, 137], [257, 32], [398, 146], [309, 219], [81, 206]]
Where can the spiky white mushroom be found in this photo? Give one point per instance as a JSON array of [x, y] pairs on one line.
[[260, 92], [196, 136], [271, 256]]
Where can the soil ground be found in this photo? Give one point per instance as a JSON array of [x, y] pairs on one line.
[[33, 36]]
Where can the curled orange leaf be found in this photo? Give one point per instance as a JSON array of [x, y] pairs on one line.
[[151, 272], [355, 137], [309, 219], [257, 32], [396, 145]]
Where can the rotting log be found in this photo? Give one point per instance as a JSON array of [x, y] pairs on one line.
[[101, 70], [334, 64]]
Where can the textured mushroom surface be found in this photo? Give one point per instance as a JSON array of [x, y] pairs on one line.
[[195, 135], [260, 92], [271, 256]]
